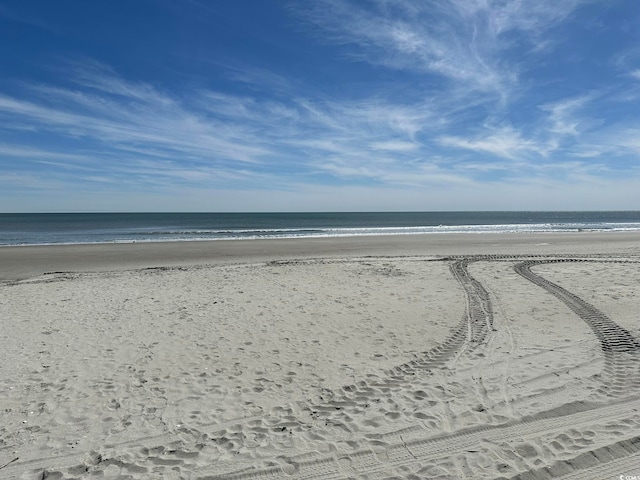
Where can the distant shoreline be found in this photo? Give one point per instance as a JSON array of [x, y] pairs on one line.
[[317, 237], [108, 228], [19, 262]]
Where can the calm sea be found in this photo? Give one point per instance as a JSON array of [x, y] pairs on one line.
[[57, 228]]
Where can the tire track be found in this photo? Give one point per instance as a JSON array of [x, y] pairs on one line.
[[470, 332], [337, 406], [621, 350], [408, 450], [618, 457], [421, 449]]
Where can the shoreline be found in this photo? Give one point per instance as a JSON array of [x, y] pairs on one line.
[[24, 261]]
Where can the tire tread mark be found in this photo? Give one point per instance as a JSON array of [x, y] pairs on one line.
[[585, 464], [621, 350], [425, 449]]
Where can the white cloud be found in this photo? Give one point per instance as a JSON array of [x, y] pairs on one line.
[[394, 146], [616, 145], [214, 138], [504, 142], [153, 120], [461, 40], [137, 131], [626, 138], [25, 152], [563, 116]]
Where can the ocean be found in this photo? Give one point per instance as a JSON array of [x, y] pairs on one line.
[[74, 228]]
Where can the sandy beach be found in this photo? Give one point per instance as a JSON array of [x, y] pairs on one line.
[[404, 357]]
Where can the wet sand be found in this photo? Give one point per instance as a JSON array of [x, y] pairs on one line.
[[27, 261]]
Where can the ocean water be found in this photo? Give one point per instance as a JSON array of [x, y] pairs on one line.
[[70, 228]]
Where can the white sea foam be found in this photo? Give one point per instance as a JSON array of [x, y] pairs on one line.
[[123, 228]]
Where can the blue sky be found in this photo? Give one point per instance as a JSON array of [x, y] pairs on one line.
[[323, 105]]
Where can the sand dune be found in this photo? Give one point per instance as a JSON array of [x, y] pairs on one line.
[[517, 363]]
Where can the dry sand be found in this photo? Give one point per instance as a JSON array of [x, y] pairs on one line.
[[452, 356]]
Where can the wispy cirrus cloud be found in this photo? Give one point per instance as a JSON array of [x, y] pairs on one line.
[[619, 140], [133, 130], [503, 142], [461, 40], [128, 117], [147, 133], [563, 116], [394, 146]]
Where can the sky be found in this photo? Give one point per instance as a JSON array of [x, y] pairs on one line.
[[319, 105]]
